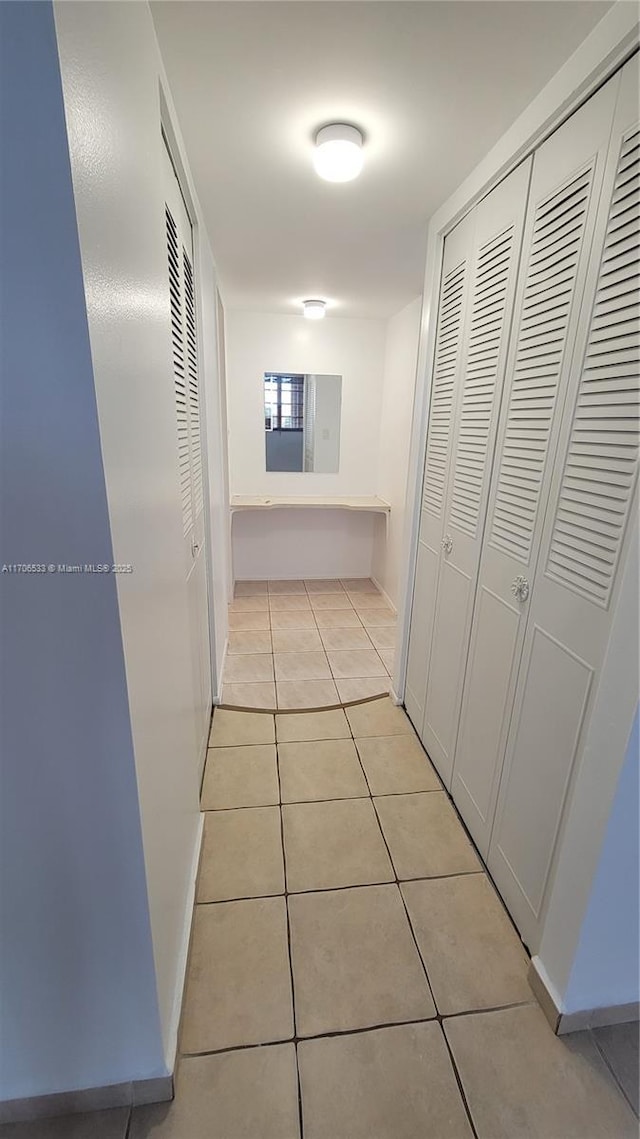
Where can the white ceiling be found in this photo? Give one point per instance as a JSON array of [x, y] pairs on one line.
[[432, 84]]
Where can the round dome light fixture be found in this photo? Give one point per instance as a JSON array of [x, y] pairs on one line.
[[314, 310], [338, 154]]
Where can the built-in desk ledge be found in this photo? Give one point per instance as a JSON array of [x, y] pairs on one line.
[[346, 502]]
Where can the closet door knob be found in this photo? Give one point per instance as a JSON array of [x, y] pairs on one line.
[[520, 588], [447, 543]]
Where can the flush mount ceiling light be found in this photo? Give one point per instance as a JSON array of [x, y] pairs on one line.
[[338, 154], [314, 310]]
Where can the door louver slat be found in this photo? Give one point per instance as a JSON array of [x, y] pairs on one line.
[[194, 391], [181, 394], [446, 357], [489, 298], [602, 454], [548, 294]]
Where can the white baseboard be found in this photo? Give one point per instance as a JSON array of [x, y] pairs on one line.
[[130, 1094], [562, 1021], [176, 1013], [217, 699], [384, 594]]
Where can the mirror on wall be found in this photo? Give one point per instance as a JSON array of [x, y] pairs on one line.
[[302, 422]]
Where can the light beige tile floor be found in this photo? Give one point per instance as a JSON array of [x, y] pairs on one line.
[[405, 1003], [308, 644]]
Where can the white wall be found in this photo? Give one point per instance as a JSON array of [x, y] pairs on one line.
[[354, 349], [401, 354], [263, 342], [111, 73], [77, 989], [303, 543], [606, 965]]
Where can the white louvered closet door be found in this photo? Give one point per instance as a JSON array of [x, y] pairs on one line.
[[567, 177], [450, 330], [499, 221], [586, 533], [186, 382]]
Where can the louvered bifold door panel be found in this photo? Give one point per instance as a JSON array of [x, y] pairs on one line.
[[497, 242], [602, 456], [551, 278], [566, 181], [445, 386], [584, 540], [180, 369]]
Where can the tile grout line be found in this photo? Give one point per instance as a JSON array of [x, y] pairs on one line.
[[420, 956], [336, 889], [289, 953], [611, 1069]]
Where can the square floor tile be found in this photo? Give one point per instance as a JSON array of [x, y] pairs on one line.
[[306, 693], [230, 729], [234, 1095], [333, 844], [379, 718], [287, 587], [619, 1046], [330, 601], [337, 619], [109, 1124], [355, 963], [323, 769], [346, 663], [391, 1083], [239, 985], [302, 666], [473, 956], [296, 640], [362, 688], [388, 658], [330, 725], [384, 637], [259, 695], [249, 668], [345, 638], [281, 602], [240, 777], [241, 855], [324, 585], [249, 622], [396, 764], [359, 585], [523, 1082], [249, 643], [249, 588], [372, 618], [424, 836], [293, 619], [255, 603]]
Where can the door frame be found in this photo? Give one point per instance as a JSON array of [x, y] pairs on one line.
[[174, 145]]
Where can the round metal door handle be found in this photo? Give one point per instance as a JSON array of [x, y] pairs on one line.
[[447, 544], [520, 588]]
